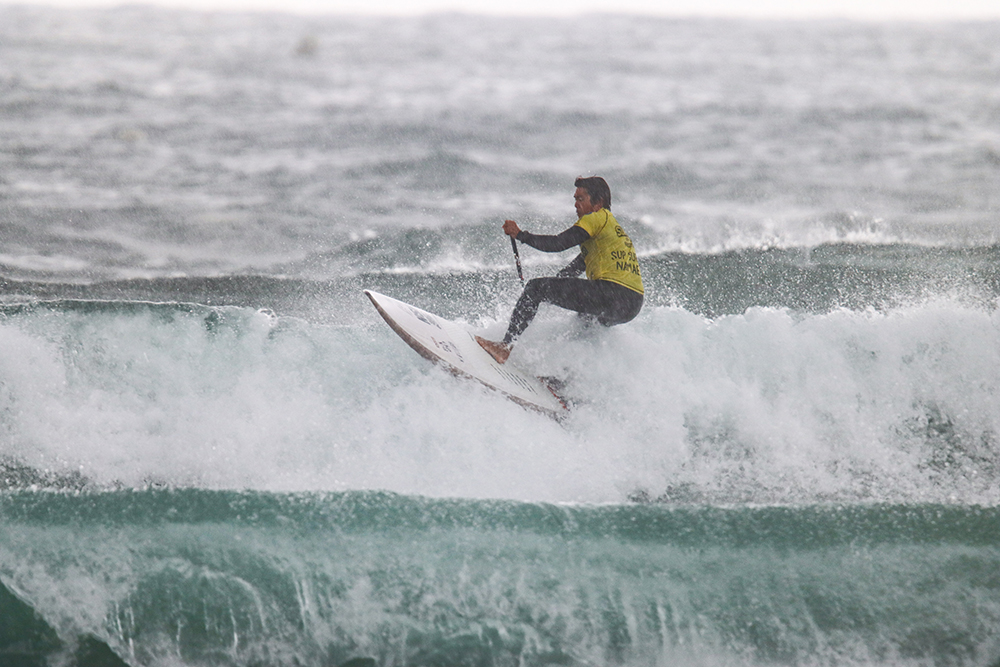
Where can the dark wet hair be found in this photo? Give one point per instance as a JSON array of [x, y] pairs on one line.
[[597, 188]]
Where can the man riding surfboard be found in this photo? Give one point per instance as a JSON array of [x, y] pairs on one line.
[[613, 291]]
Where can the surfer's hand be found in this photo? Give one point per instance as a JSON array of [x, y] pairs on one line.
[[511, 229]]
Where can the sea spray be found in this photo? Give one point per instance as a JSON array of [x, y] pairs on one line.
[[767, 405], [213, 452]]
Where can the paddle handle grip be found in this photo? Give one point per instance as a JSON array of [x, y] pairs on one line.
[[517, 258]]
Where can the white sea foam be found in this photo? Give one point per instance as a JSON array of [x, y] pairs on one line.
[[764, 406]]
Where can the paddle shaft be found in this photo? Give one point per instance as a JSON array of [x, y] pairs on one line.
[[517, 258]]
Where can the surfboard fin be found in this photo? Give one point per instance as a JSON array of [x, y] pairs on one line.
[[556, 386]]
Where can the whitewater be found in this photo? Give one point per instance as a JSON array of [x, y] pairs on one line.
[[213, 451]]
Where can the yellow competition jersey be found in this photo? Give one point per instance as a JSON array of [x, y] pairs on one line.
[[608, 253]]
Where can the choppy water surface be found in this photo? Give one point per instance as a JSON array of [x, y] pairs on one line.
[[214, 452]]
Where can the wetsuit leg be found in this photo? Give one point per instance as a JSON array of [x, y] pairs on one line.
[[610, 302]]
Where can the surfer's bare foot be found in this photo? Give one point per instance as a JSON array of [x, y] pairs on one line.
[[498, 351]]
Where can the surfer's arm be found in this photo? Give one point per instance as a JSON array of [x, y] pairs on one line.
[[564, 241], [573, 269]]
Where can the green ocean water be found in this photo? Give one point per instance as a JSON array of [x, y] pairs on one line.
[[244, 578]]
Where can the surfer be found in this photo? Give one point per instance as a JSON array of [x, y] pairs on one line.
[[613, 291]]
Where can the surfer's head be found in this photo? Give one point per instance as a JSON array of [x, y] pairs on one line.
[[597, 191]]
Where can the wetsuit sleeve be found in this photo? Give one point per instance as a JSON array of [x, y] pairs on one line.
[[564, 241], [573, 269]]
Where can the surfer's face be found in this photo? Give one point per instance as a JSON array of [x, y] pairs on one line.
[[583, 203]]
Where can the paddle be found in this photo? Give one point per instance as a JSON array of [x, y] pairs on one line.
[[517, 258]]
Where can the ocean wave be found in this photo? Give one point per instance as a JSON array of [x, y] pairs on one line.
[[769, 405], [238, 578], [448, 276]]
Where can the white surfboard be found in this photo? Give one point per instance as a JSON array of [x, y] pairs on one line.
[[455, 348]]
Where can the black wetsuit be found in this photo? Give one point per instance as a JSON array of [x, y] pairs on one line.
[[609, 302]]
